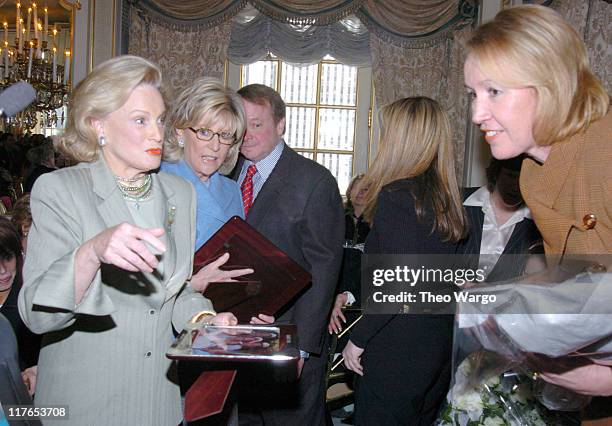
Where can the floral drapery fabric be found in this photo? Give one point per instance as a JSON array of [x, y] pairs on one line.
[[181, 54], [435, 71]]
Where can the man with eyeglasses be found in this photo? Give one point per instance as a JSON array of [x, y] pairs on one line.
[[295, 203]]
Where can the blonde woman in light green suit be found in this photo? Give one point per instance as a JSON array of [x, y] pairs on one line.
[[110, 250]]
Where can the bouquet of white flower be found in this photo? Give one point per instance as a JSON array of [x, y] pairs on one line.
[[485, 393]]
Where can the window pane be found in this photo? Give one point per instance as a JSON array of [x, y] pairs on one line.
[[262, 72], [338, 85], [321, 109], [340, 165], [300, 123], [336, 129], [299, 84]]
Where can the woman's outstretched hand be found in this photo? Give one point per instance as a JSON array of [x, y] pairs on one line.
[[224, 318], [212, 273], [128, 247]]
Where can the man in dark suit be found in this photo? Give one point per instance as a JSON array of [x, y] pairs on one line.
[[295, 203], [501, 228]]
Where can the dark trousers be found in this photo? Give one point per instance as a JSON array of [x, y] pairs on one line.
[[407, 372], [264, 400]]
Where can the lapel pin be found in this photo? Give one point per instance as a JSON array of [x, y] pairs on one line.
[[171, 215]]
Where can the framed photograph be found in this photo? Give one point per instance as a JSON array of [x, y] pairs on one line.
[[277, 279], [248, 343]]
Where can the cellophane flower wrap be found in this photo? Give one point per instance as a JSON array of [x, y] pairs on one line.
[[549, 321]]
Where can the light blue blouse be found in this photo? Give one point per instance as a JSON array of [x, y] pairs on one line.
[[218, 199]]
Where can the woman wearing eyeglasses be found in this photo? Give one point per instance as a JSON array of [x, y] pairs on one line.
[[206, 124]]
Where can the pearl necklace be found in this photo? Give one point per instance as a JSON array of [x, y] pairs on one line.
[[135, 193]]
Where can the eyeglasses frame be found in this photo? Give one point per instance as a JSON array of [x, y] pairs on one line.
[[218, 134]]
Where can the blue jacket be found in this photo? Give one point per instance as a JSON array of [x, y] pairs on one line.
[[218, 199]]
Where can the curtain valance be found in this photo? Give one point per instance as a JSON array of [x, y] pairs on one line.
[[255, 34], [399, 21], [416, 23], [188, 15], [308, 12]]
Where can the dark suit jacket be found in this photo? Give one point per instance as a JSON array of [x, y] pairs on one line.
[[407, 358], [299, 209], [510, 265]]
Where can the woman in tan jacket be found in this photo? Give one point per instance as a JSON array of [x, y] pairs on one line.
[[532, 92]]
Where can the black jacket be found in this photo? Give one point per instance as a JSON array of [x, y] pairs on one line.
[[407, 358]]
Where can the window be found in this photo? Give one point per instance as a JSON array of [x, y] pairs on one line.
[[322, 109]]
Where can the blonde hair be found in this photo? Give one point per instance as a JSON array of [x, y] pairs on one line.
[[104, 90], [533, 46], [416, 143], [356, 179], [206, 99], [352, 184]]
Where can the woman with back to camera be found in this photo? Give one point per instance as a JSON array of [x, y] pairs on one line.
[[110, 249], [414, 205], [533, 92]]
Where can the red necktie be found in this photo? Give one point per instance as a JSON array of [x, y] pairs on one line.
[[247, 188]]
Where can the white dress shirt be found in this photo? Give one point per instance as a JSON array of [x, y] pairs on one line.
[[494, 237], [264, 168]]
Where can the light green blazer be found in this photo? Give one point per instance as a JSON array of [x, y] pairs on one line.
[[105, 358]]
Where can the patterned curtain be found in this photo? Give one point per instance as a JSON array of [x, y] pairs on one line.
[[417, 50], [593, 20], [435, 71], [203, 11], [404, 21], [183, 53]]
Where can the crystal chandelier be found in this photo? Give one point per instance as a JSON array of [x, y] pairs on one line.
[[34, 58]]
